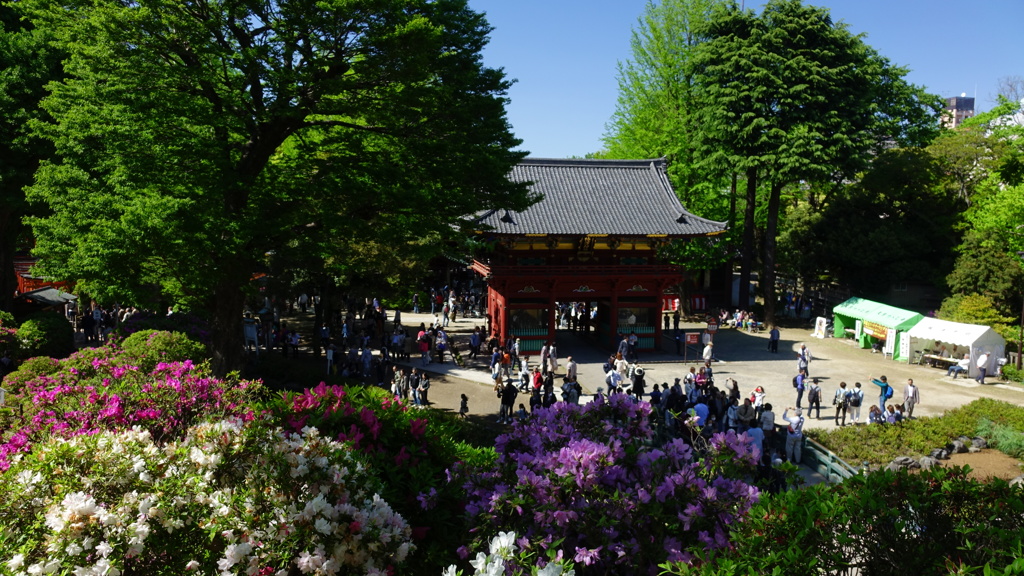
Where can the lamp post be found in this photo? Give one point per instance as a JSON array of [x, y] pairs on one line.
[[1020, 339]]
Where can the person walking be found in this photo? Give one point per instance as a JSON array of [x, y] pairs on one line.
[[794, 433], [814, 399], [508, 396], [773, 340], [798, 383], [709, 352], [982, 365], [841, 400], [856, 399], [803, 360], [911, 397]]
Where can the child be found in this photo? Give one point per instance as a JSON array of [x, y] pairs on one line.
[[522, 412], [464, 406]]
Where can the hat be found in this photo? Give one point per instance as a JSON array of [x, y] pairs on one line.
[[815, 380]]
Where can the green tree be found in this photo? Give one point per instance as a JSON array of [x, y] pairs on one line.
[[195, 137], [790, 96], [27, 63]]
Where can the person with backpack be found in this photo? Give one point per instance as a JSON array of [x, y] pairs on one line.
[[841, 400], [814, 399], [508, 396], [856, 399], [798, 383], [885, 391]]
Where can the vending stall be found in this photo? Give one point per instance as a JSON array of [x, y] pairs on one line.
[[941, 343], [875, 325]]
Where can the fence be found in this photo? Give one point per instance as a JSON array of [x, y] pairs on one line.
[[825, 462]]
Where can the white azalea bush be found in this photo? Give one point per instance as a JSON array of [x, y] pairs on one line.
[[508, 556], [232, 497]]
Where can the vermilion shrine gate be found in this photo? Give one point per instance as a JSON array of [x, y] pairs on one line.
[[592, 239]]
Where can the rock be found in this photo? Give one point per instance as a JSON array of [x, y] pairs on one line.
[[979, 442], [903, 463], [965, 439], [956, 447], [973, 449], [927, 462], [940, 454], [1018, 481]]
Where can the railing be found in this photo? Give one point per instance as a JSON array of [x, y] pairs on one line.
[[557, 270], [826, 463]]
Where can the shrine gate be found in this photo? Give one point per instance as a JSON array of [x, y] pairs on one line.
[[593, 239]]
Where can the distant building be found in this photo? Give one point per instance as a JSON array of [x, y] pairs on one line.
[[958, 109]]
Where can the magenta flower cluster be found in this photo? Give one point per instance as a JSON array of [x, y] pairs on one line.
[[101, 390], [589, 483]]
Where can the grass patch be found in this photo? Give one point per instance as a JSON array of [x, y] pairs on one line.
[[879, 444]]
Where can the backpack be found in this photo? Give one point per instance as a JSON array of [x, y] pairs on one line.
[[888, 392], [814, 395], [795, 381]]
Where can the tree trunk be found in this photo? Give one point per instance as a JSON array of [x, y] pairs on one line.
[[9, 230], [747, 253], [226, 316], [771, 231]]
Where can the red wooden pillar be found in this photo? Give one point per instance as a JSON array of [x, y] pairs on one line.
[[613, 317]]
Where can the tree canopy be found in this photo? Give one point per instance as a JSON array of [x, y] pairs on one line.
[[194, 138]]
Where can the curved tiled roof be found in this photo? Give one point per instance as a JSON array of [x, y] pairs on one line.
[[614, 197]]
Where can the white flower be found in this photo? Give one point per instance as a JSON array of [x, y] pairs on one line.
[[504, 544], [449, 571], [323, 526], [192, 565], [554, 569], [480, 564], [104, 549], [16, 562], [73, 549]]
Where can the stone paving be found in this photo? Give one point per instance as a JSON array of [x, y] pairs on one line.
[[740, 355]]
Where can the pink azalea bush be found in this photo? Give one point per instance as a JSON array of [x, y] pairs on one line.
[[412, 450], [588, 482], [103, 389], [228, 497]]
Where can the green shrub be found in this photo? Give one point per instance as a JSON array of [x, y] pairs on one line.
[[7, 319], [1012, 374], [1003, 438], [46, 334], [879, 444], [150, 347], [933, 522], [29, 370]]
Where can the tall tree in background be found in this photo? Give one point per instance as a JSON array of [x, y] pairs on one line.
[[790, 96], [194, 137], [27, 63], [654, 113]]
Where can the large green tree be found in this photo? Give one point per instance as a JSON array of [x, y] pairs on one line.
[[194, 137], [27, 63], [791, 96]]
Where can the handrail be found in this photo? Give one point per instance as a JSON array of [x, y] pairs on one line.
[[827, 463]]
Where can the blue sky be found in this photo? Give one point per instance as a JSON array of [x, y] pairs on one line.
[[563, 55]]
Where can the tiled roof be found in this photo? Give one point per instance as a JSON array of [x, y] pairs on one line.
[[614, 197]]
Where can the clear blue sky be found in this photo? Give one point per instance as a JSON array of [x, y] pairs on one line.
[[563, 55]]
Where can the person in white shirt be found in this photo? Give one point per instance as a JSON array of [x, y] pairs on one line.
[[962, 366], [709, 352], [982, 367], [794, 434]]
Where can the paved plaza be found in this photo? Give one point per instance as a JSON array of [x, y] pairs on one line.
[[742, 356]]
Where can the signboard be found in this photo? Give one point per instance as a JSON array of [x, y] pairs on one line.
[[692, 338], [876, 330], [890, 342], [819, 327], [712, 326]]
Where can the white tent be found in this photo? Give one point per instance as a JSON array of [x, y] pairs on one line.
[[931, 334]]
